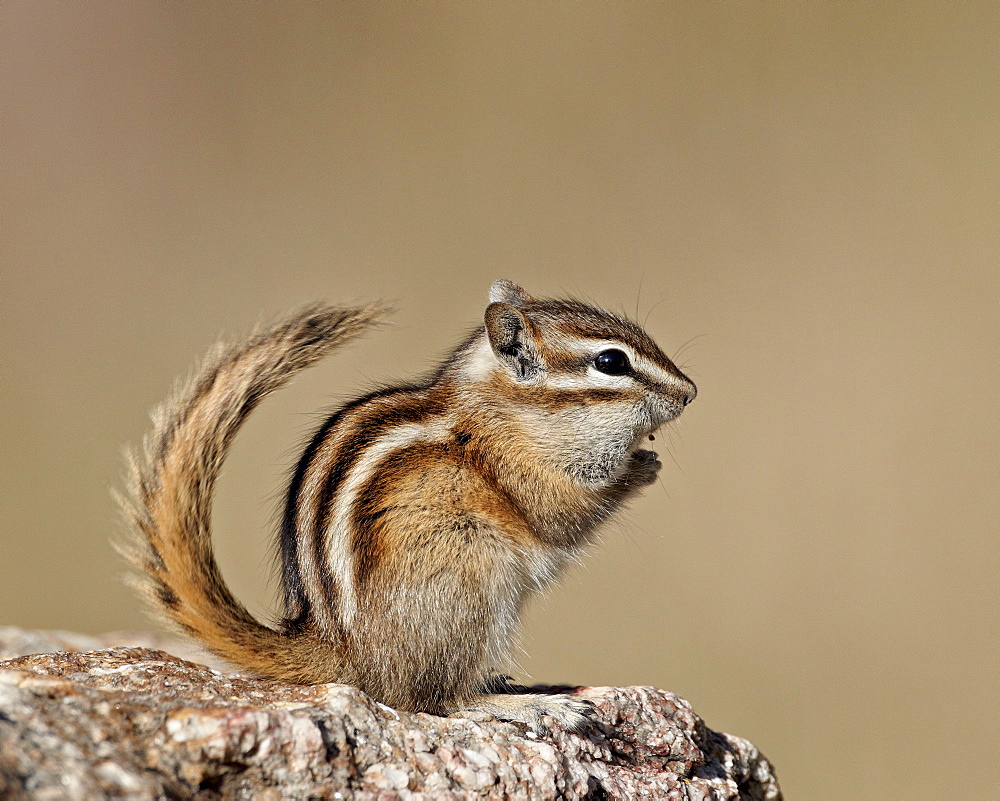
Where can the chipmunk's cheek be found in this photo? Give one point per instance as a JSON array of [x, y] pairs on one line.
[[661, 410], [651, 415]]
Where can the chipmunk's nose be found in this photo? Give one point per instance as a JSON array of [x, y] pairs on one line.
[[680, 396]]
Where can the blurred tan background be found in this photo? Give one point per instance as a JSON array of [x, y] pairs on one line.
[[808, 194]]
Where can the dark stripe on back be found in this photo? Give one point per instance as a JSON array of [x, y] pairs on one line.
[[372, 504], [386, 409], [296, 603]]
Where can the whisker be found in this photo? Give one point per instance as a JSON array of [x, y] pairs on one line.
[[680, 351], [638, 294], [651, 310]]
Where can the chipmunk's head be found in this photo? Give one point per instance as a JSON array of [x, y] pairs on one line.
[[591, 383]]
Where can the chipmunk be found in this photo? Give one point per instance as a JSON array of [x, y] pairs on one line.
[[420, 518]]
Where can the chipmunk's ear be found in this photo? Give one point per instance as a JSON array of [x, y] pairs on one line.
[[508, 292], [512, 340]]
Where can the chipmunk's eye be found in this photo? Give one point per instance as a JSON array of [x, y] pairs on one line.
[[612, 362]]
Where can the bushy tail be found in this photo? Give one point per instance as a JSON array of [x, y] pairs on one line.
[[169, 498]]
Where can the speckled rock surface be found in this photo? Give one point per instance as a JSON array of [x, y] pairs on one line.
[[136, 722]]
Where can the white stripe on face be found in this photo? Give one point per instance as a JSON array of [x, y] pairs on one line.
[[589, 349]]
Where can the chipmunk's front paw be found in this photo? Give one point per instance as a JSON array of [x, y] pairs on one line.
[[644, 467]]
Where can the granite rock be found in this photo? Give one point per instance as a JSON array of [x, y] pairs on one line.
[[118, 717]]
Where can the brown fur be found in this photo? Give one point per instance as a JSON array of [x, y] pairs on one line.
[[171, 488], [419, 518]]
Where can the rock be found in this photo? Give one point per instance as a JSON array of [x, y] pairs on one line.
[[81, 720]]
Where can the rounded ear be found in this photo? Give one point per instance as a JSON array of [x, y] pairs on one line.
[[508, 292], [512, 341]]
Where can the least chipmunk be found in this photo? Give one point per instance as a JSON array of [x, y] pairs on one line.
[[419, 518]]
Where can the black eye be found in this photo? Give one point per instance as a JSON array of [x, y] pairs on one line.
[[612, 362]]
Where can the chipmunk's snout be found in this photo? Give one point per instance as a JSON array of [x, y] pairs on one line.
[[681, 391], [664, 407]]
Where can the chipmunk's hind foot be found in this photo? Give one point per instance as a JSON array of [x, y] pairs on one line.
[[565, 711]]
